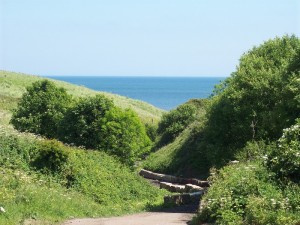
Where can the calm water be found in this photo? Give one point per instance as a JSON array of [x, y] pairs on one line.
[[162, 92]]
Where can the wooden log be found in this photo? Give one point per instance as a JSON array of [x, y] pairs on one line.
[[193, 188], [158, 176], [172, 179], [172, 187]]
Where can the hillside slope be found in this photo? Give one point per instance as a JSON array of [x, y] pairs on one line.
[[182, 156], [13, 85], [92, 183]]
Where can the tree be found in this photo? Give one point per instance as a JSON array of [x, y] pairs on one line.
[[256, 102], [41, 108]]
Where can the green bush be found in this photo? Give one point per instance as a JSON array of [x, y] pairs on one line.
[[284, 160], [82, 123], [86, 184], [52, 156], [124, 135], [175, 121], [41, 108], [245, 194], [256, 102], [96, 123]]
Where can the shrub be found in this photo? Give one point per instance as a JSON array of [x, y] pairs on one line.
[[52, 156], [284, 160], [245, 194], [175, 121], [96, 123], [41, 108], [256, 102], [81, 124], [124, 135]]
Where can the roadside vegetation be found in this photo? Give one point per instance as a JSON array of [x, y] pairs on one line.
[[46, 181], [245, 139], [252, 117]]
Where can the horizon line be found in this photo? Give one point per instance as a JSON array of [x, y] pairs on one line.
[[138, 76]]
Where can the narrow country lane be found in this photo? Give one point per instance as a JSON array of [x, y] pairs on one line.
[[147, 218]]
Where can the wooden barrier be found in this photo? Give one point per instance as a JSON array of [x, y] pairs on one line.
[[172, 179]]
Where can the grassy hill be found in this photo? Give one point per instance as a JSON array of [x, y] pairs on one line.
[[90, 183], [13, 85], [181, 156]]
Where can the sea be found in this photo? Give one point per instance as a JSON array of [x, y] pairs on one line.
[[163, 92]]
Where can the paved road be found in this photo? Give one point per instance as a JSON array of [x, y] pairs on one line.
[[147, 218]]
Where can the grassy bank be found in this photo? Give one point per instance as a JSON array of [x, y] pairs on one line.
[[13, 85], [88, 183]]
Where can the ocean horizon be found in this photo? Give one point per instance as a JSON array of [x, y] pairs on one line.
[[163, 92]]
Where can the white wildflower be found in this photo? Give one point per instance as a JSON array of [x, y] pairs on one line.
[[2, 210]]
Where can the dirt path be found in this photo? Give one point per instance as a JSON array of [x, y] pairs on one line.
[[148, 218], [181, 215]]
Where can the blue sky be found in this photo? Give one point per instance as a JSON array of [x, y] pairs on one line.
[[138, 37]]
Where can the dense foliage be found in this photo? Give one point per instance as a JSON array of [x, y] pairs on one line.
[[123, 135], [95, 123], [51, 157], [41, 109], [81, 124], [284, 159], [247, 116], [45, 182], [80, 183], [246, 194], [256, 102], [92, 122]]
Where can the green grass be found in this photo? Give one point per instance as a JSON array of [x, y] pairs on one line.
[[101, 185], [182, 156], [13, 85]]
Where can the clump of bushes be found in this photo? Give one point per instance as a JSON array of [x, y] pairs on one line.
[[46, 181], [246, 194], [259, 100], [245, 120], [91, 122], [284, 159]]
